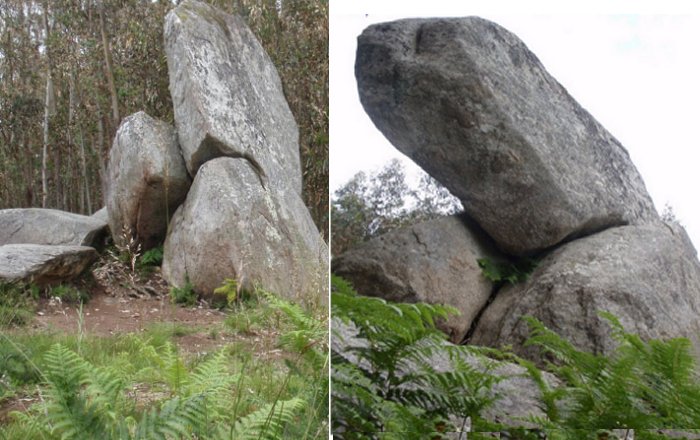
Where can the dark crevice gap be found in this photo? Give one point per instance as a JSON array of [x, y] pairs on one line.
[[472, 328]]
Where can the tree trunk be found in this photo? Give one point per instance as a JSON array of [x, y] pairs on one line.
[[108, 69], [48, 108]]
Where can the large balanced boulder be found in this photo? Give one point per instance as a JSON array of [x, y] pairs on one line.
[[468, 101], [43, 264], [147, 180], [50, 227], [647, 276], [231, 226], [227, 96], [434, 262]]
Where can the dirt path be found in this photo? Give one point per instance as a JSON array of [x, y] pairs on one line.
[[105, 315]]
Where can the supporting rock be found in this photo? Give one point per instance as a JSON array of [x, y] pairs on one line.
[[231, 226], [433, 262], [648, 276]]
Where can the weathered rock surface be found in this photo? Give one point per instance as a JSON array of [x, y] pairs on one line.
[[43, 264], [231, 226], [469, 102], [520, 397], [648, 276], [49, 227], [147, 180], [227, 96], [101, 215], [433, 262]]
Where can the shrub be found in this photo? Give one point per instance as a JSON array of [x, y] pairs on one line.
[[185, 294], [499, 272]]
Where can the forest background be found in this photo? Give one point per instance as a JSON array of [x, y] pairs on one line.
[[70, 70]]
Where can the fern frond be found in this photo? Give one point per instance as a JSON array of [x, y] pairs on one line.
[[173, 369], [269, 421]]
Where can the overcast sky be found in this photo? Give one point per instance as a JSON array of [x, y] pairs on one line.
[[636, 73]]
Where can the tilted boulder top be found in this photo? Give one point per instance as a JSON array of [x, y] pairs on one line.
[[227, 96], [469, 102]]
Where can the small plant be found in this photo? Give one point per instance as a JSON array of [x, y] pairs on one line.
[[185, 294], [69, 294], [17, 303], [501, 272], [130, 250], [229, 289], [152, 257]]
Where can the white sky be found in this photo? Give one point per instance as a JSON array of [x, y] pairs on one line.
[[637, 73]]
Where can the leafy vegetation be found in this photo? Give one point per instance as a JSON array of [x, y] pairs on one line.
[[641, 385], [68, 293], [138, 386], [17, 303], [184, 294], [389, 386], [152, 257], [500, 272], [229, 289], [387, 383]]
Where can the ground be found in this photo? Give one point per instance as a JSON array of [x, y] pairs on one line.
[[124, 302]]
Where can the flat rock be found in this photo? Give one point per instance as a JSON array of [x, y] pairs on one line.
[[434, 262], [470, 104], [227, 95], [648, 276], [231, 226], [50, 227], [147, 180], [43, 264]]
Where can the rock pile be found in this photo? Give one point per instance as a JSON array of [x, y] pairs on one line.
[[541, 178], [221, 189]]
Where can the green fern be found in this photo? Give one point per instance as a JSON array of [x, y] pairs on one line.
[[267, 423], [388, 383], [507, 272], [308, 336], [641, 385], [83, 402]]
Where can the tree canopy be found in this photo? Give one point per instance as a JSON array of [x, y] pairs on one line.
[[371, 204]]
